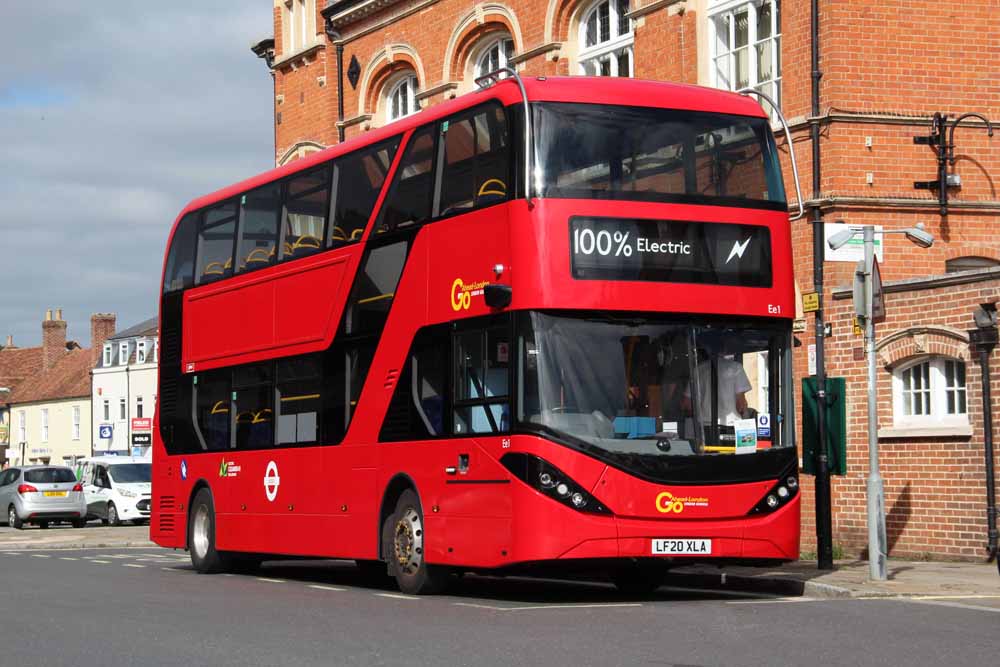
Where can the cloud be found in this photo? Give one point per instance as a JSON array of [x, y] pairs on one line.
[[110, 122]]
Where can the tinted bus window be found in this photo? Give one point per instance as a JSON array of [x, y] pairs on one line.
[[358, 179], [305, 213], [409, 201], [179, 273], [215, 243], [299, 386], [476, 161], [253, 398], [259, 240], [375, 288], [212, 407]]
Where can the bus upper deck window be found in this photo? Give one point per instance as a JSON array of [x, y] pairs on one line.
[[409, 201], [259, 237], [215, 243], [179, 273], [305, 213], [358, 180]]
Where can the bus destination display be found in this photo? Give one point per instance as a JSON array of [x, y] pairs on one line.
[[670, 251]]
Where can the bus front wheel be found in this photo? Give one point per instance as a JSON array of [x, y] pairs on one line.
[[201, 536], [413, 573]]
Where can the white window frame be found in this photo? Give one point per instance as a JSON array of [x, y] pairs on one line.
[[140, 352], [22, 426], [938, 415], [123, 353], [298, 17], [122, 409], [107, 410], [138, 407], [409, 81], [716, 13], [504, 47], [108, 354], [76, 422], [45, 424], [609, 50]]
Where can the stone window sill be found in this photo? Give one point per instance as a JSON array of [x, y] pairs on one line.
[[943, 431]]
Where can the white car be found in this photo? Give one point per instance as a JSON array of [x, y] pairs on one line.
[[117, 489]]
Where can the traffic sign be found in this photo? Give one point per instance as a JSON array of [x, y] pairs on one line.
[[106, 431], [810, 302]]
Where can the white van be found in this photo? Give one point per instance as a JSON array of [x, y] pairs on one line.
[[117, 488]]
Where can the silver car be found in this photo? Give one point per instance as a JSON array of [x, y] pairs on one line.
[[41, 495]]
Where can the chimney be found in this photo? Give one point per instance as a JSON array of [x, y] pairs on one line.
[[10, 341], [102, 327], [53, 339]]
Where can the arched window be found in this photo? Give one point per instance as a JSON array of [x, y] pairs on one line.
[[606, 40], [496, 55], [746, 45], [400, 99], [930, 392], [969, 263]]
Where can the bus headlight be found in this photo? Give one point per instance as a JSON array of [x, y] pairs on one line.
[[552, 482], [786, 488]]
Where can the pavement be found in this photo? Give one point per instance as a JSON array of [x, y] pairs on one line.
[[848, 579]]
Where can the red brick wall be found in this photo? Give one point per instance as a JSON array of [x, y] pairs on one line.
[[887, 67]]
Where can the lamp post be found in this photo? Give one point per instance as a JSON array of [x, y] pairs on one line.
[[868, 270]]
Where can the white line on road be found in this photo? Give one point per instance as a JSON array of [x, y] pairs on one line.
[[956, 605], [40, 556], [270, 581], [955, 597], [773, 601], [68, 558], [102, 562], [325, 588], [11, 553], [546, 606], [132, 565], [397, 596]]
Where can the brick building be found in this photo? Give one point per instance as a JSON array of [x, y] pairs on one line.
[[885, 72]]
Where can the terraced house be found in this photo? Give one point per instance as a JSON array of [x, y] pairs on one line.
[[891, 128]]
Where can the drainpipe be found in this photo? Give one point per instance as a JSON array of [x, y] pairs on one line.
[[336, 38], [983, 339]]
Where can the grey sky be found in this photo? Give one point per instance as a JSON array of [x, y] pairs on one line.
[[113, 115]]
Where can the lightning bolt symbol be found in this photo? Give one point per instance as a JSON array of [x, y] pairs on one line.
[[738, 250]]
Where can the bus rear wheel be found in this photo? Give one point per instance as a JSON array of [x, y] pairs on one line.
[[407, 563], [201, 536]]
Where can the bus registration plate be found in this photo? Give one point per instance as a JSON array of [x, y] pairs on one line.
[[685, 547]]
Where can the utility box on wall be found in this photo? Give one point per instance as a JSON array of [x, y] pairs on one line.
[[836, 425]]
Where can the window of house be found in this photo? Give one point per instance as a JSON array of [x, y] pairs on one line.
[[123, 353], [930, 392], [400, 100], [140, 352], [495, 56], [746, 45], [606, 40], [357, 182], [108, 354], [107, 410], [76, 422], [298, 24], [306, 205], [261, 209], [215, 243], [138, 407], [22, 428], [122, 409], [45, 424], [970, 263]]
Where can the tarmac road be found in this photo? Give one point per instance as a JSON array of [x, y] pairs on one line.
[[147, 606]]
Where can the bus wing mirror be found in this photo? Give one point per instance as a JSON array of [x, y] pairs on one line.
[[498, 296]]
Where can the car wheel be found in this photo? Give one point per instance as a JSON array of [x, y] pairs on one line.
[[639, 578], [13, 520], [201, 536], [113, 515], [79, 523], [413, 573]]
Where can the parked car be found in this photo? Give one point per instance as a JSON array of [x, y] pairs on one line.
[[117, 489], [42, 495]]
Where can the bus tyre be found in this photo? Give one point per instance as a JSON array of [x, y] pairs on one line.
[[639, 578], [201, 536], [414, 575]]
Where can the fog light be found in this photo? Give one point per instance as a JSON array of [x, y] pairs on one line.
[[772, 501], [792, 482], [562, 489], [545, 479], [578, 500], [782, 492]]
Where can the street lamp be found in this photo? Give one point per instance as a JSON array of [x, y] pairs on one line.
[[982, 340], [877, 542]]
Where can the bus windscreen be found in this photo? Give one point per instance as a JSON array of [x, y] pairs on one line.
[[589, 151]]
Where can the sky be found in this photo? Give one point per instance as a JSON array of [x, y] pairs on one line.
[[113, 116]]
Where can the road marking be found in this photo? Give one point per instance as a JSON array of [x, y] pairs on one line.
[[397, 596], [325, 588], [102, 562], [956, 605], [773, 601], [11, 553], [171, 569], [270, 581], [132, 565], [67, 558], [547, 606], [40, 556], [955, 597], [713, 591]]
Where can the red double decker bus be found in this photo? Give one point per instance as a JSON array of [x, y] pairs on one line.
[[548, 322]]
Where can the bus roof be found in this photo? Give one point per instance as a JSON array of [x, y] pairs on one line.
[[579, 89]]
